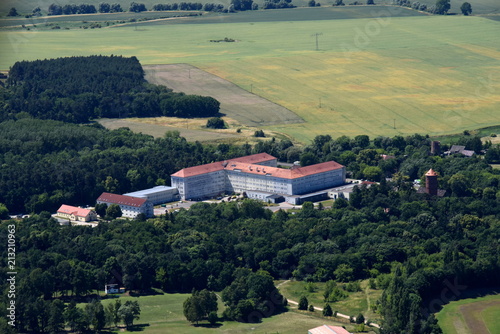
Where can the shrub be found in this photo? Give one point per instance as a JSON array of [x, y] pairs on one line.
[[303, 303], [259, 133], [215, 123]]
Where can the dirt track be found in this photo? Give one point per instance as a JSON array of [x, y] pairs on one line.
[[237, 103], [472, 316]]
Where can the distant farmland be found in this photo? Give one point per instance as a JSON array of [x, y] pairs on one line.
[[237, 103], [377, 76]]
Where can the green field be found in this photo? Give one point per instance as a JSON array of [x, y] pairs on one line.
[[358, 302], [386, 76], [26, 6], [163, 314], [471, 316]]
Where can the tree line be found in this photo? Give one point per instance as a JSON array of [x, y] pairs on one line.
[[441, 7], [79, 89], [104, 7]]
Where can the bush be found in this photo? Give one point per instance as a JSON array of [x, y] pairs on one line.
[[327, 311], [311, 308], [353, 287], [215, 123], [360, 319], [259, 133], [303, 303], [212, 318]]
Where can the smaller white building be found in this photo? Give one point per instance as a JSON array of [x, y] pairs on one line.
[[131, 206], [157, 195], [111, 288]]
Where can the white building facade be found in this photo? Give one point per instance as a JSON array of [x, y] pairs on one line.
[[157, 195], [256, 173]]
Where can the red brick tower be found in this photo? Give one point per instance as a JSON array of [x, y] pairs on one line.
[[431, 182]]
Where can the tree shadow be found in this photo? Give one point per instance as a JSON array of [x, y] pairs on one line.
[[216, 325], [137, 328], [479, 292], [145, 293]]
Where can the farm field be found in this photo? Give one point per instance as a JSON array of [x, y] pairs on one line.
[[163, 314], [26, 6], [386, 76], [296, 14], [479, 315], [243, 106]]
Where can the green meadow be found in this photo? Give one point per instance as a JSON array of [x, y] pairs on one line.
[[163, 314], [377, 76], [472, 315], [357, 302]]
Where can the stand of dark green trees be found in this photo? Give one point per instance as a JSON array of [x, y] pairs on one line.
[[79, 89]]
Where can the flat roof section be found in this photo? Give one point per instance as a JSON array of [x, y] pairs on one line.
[[149, 191]]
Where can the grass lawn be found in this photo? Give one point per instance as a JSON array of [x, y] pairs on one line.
[[472, 315], [357, 302], [163, 314], [376, 76]]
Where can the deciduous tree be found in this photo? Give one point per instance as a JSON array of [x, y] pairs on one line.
[[466, 8], [442, 7]]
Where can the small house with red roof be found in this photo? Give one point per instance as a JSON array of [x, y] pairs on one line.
[[327, 329], [76, 214], [131, 206]]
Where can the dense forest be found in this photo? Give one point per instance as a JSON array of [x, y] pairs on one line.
[[79, 89], [409, 243]]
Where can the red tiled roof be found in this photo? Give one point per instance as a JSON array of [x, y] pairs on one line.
[[202, 169], [284, 173], [326, 329], [431, 172], [78, 212], [121, 199], [217, 166], [245, 165], [254, 158]]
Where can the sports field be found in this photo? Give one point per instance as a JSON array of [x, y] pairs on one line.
[[376, 76], [471, 316]]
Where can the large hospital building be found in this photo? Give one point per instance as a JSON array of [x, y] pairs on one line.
[[259, 177]]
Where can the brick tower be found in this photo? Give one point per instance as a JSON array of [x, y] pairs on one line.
[[431, 182]]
